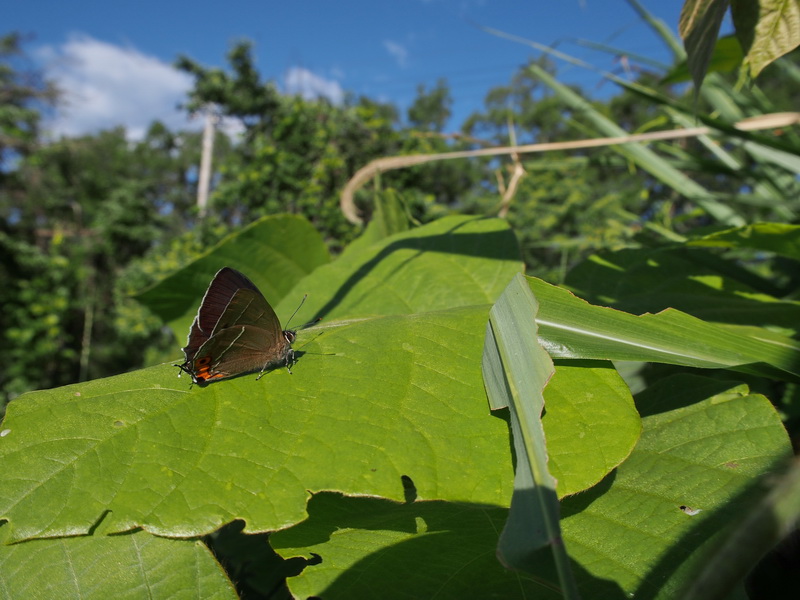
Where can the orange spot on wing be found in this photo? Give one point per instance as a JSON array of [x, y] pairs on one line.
[[204, 376], [202, 370]]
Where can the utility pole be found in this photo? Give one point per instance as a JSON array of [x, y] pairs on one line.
[[204, 179]]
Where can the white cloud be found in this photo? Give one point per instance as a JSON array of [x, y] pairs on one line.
[[106, 86], [398, 51], [298, 80]]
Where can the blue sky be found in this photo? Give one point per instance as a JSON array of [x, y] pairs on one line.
[[113, 59]]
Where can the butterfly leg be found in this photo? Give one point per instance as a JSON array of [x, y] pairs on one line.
[[290, 360]]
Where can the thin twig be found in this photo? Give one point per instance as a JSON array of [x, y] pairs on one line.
[[391, 163]]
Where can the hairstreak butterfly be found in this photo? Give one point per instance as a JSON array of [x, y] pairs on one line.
[[235, 332]]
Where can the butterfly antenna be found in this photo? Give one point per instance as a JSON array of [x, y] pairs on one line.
[[295, 310], [311, 322]]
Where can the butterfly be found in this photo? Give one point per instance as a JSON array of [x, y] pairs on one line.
[[235, 331]]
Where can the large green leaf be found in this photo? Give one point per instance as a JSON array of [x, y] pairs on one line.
[[780, 238], [767, 30], [570, 327], [768, 529], [454, 261], [699, 26], [139, 565], [696, 466], [700, 453], [590, 423], [369, 401], [182, 461], [693, 281], [274, 252]]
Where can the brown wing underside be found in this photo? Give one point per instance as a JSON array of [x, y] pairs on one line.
[[220, 291], [236, 350], [248, 307]]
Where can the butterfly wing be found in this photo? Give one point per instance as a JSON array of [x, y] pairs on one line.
[[220, 291], [249, 307], [236, 350]]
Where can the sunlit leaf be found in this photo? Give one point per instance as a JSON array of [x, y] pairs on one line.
[[636, 533], [124, 566], [767, 30], [699, 25]]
